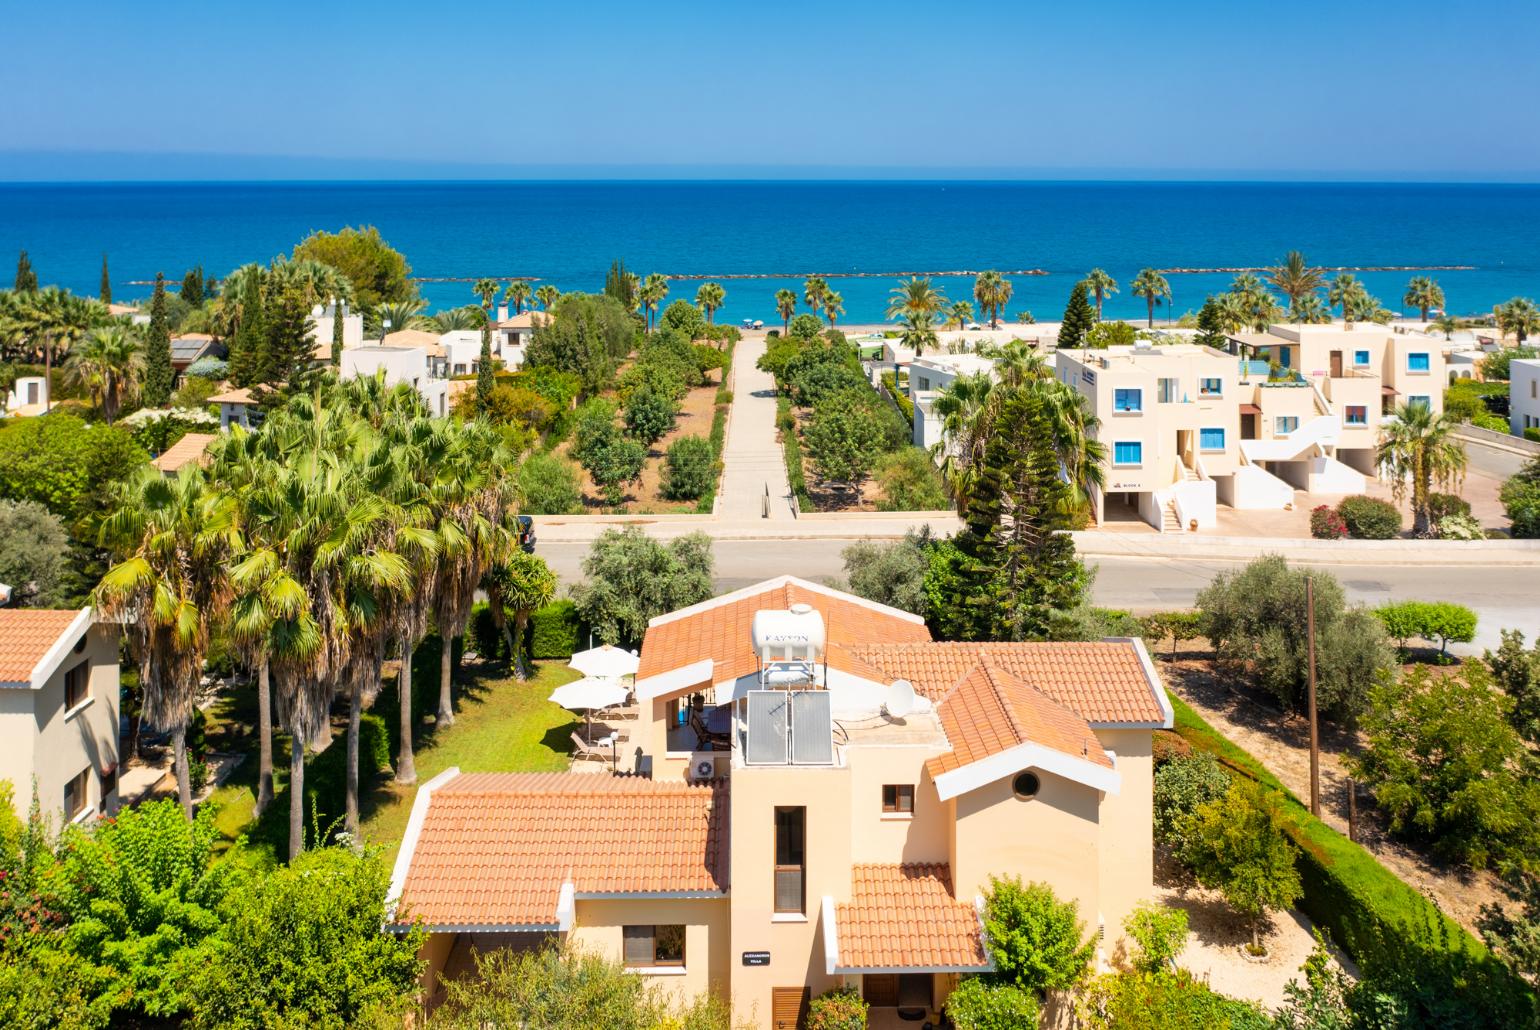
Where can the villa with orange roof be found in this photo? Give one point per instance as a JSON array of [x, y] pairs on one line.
[[815, 793], [59, 712]]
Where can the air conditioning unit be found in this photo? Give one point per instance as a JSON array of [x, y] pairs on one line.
[[703, 766]]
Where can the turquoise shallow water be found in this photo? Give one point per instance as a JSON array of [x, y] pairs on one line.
[[567, 233]]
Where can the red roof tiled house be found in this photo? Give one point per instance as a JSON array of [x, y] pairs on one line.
[[59, 712], [817, 793]]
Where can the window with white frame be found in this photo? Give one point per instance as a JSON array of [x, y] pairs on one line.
[[1211, 387], [1355, 415], [1360, 359], [1283, 425], [1417, 361], [1128, 452], [1419, 400], [1128, 401], [1170, 390], [1211, 439]]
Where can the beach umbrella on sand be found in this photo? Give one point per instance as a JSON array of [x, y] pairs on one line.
[[587, 694], [605, 661]]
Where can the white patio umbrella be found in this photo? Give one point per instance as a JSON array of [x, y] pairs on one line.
[[587, 694], [605, 661]]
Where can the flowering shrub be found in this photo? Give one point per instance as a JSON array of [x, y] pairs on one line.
[[1326, 524]]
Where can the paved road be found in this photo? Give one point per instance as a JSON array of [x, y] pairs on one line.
[[1503, 596], [752, 464]]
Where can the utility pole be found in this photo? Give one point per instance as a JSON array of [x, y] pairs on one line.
[[1315, 736]]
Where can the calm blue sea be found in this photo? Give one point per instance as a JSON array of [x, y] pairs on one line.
[[567, 233]]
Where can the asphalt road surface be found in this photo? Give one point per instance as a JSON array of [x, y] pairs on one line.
[[1505, 597]]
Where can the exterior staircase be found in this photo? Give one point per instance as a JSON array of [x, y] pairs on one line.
[[1169, 521], [1189, 474]]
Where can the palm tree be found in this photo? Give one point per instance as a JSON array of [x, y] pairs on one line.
[[1101, 286], [915, 296], [1311, 310], [486, 289], [1253, 303], [50, 320], [1446, 324], [315, 281], [518, 293], [992, 291], [108, 364], [1295, 279], [1520, 317], [403, 314], [786, 305], [962, 409], [710, 297], [960, 314], [1419, 448], [547, 295], [917, 332], [1152, 286], [813, 290], [833, 306], [520, 583], [457, 319], [171, 536], [1346, 291], [1423, 293], [654, 290]]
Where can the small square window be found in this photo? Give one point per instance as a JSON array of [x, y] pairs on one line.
[[1419, 401], [1283, 425], [75, 794], [1212, 439], [1355, 415], [1360, 359], [1211, 387], [1417, 362], [898, 798], [1128, 452], [644, 946], [1169, 390], [1128, 400]]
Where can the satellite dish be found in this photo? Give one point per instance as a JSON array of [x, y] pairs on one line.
[[900, 698]]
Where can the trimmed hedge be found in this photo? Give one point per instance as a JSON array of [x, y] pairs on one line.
[[1369, 518], [1431, 620], [555, 630], [890, 384], [1391, 930]]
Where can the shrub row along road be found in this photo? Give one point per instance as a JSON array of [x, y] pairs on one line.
[[1504, 596]]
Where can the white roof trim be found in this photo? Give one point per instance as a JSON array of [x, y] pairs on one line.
[[566, 907], [479, 927], [776, 583], [60, 649], [986, 967], [831, 938], [665, 683], [1156, 686], [649, 895], [1026, 756], [409, 842]]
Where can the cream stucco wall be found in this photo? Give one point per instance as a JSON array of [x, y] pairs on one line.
[[1127, 845], [38, 738], [599, 925], [794, 942], [878, 837]]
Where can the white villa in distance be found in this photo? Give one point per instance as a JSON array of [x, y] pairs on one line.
[[1523, 395], [1189, 427]]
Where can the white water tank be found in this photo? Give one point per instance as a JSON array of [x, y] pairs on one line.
[[796, 633]]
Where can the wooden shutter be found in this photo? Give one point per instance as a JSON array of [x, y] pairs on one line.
[[880, 989], [788, 1007], [637, 945]]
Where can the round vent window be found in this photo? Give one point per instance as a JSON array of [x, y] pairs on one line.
[[1025, 785]]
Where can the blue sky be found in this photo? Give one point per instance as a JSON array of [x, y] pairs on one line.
[[281, 89]]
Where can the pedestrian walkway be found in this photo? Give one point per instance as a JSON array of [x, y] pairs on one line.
[[752, 460]]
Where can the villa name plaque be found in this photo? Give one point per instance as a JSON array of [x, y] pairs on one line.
[[756, 958]]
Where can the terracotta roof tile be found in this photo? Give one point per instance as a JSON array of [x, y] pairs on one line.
[[719, 630], [904, 917], [185, 451], [26, 635], [990, 711], [1104, 681], [495, 848]]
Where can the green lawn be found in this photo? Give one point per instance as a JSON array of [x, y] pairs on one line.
[[501, 725]]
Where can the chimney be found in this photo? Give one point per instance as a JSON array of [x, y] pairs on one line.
[[502, 312]]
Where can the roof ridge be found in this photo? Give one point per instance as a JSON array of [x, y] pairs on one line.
[[1001, 698]]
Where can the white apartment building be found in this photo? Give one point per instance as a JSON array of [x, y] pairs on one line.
[[403, 364], [1523, 395], [928, 376]]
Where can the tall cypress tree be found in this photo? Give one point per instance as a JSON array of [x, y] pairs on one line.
[[26, 278], [336, 332], [248, 349], [192, 286], [1079, 318], [485, 381], [290, 348], [106, 281], [158, 374], [1013, 569]]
